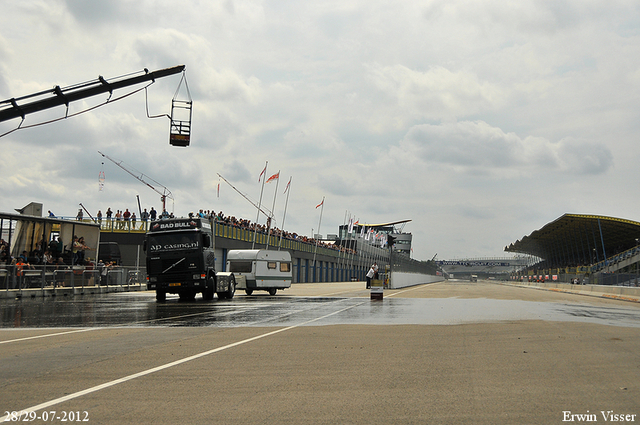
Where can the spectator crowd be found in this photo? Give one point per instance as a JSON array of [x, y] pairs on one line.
[[125, 220]]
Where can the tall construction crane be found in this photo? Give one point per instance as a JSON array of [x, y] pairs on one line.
[[166, 193]]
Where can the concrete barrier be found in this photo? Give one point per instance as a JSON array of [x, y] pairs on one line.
[[625, 293], [404, 279]]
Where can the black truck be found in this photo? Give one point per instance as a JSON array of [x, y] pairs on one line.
[[181, 260]]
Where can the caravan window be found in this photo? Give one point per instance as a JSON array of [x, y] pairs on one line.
[[240, 266], [271, 265], [285, 267]]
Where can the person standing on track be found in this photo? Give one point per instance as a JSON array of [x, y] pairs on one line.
[[370, 274]]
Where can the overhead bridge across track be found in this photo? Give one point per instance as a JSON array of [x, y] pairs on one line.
[[577, 239]]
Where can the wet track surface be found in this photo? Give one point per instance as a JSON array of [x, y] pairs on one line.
[[494, 354], [141, 310]]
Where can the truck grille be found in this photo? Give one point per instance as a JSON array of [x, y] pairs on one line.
[[158, 266]]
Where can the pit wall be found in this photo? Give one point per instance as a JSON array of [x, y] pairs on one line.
[[404, 279]]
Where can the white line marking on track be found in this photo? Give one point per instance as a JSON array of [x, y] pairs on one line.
[[48, 335], [406, 290], [169, 365]]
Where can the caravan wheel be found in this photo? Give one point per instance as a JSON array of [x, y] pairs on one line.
[[248, 291], [272, 291]]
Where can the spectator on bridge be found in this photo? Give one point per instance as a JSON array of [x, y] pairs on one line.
[[126, 215], [144, 217], [118, 219]]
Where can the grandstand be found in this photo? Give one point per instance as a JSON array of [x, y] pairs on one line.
[[591, 248], [485, 268]]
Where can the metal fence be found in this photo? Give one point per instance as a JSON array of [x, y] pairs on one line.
[[16, 277], [404, 263], [615, 279]]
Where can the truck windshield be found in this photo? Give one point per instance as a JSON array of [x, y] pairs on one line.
[[173, 241]]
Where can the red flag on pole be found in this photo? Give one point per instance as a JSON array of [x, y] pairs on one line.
[[276, 176], [287, 188], [263, 171], [320, 203]]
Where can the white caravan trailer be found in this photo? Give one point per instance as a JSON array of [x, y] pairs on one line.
[[260, 269]]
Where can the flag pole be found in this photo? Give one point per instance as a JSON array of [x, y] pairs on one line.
[[273, 209], [245, 196], [349, 257], [316, 249], [354, 260], [286, 202], [342, 247], [255, 225]]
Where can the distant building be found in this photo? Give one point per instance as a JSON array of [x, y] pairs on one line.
[[378, 235]]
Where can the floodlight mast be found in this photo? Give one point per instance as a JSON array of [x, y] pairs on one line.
[[14, 108], [166, 193]]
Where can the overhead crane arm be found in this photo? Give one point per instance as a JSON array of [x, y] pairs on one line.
[[14, 108]]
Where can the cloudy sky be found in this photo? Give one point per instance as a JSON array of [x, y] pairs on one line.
[[479, 120]]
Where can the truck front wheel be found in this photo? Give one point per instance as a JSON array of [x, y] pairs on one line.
[[210, 290], [161, 296]]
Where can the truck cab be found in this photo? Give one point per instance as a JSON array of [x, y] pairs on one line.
[[181, 260]]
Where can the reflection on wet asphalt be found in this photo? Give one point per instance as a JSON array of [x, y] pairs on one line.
[[141, 309]]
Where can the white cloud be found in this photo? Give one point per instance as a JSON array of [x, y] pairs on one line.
[[477, 145], [437, 93]]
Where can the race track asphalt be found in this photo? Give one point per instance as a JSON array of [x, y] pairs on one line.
[[446, 353]]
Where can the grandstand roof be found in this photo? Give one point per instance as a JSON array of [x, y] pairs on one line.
[[384, 224], [577, 239], [375, 226]]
